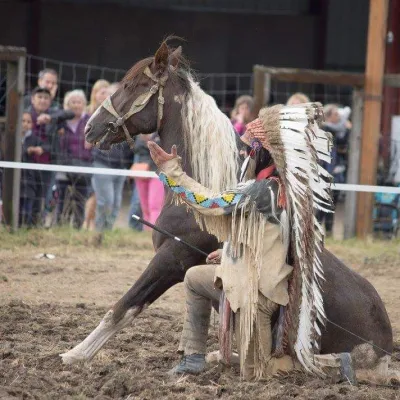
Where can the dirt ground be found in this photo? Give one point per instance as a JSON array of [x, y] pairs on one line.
[[48, 306]]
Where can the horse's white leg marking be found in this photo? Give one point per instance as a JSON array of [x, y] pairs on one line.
[[87, 349], [215, 357], [369, 367]]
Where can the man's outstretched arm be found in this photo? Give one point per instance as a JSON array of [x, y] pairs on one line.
[[262, 194]]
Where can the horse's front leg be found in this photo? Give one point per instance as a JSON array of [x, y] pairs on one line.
[[167, 268]]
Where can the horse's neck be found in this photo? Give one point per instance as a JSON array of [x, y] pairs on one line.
[[170, 137]]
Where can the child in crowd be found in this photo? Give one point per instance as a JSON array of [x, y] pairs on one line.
[[47, 124], [31, 181], [242, 113]]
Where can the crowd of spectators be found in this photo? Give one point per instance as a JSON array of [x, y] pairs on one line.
[[52, 134]]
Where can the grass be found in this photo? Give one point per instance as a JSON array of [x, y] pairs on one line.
[[368, 250], [120, 238], [65, 236]]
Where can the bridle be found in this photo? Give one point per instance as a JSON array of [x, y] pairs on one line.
[[138, 105]]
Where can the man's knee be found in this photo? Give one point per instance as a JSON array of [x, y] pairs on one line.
[[191, 278], [195, 277]]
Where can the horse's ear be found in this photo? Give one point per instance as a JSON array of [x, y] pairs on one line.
[[161, 57], [175, 57]]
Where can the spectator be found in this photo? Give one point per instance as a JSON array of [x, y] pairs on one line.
[[99, 93], [150, 190], [47, 79], [100, 90], [74, 153], [31, 181], [340, 128], [108, 188], [242, 113], [337, 168], [46, 124], [394, 171], [297, 98]]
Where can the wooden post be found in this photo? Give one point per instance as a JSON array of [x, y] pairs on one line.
[[261, 88], [372, 111], [350, 212], [391, 95], [12, 144]]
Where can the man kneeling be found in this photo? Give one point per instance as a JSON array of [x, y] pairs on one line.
[[270, 212]]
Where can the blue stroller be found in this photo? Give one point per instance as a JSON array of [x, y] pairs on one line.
[[386, 214]]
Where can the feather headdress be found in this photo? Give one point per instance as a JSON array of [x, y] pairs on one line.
[[295, 141]]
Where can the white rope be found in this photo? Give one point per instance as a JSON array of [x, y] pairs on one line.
[[149, 174], [348, 187], [79, 170]]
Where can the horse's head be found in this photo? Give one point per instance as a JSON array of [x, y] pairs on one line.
[[148, 93]]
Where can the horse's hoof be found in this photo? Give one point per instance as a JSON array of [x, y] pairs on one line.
[[71, 357]]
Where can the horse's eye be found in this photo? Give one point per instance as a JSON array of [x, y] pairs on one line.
[[125, 86]]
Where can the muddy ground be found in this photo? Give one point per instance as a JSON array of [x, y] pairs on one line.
[[48, 306]]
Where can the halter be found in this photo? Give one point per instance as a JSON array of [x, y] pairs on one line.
[[138, 105]]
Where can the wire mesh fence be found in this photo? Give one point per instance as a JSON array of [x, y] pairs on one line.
[[70, 75], [47, 197], [225, 88], [323, 93]]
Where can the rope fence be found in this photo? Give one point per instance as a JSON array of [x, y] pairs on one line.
[[148, 174], [224, 87]]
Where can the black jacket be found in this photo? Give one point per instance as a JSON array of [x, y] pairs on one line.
[[142, 152], [31, 181], [119, 156], [48, 133]]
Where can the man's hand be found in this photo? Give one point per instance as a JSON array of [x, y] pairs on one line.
[[87, 145], [43, 119], [214, 257], [159, 156]]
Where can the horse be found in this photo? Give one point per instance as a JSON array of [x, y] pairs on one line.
[[159, 93]]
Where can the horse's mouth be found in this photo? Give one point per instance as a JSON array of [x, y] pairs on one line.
[[102, 141]]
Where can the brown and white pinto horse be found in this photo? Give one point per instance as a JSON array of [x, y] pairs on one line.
[[171, 100]]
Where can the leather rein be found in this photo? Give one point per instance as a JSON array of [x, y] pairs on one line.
[[138, 105]]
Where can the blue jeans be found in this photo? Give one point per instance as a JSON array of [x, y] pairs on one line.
[[108, 190], [135, 209], [25, 211]]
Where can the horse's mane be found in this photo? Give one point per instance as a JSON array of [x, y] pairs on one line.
[[210, 140]]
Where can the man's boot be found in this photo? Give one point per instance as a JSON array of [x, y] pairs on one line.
[[192, 364]]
